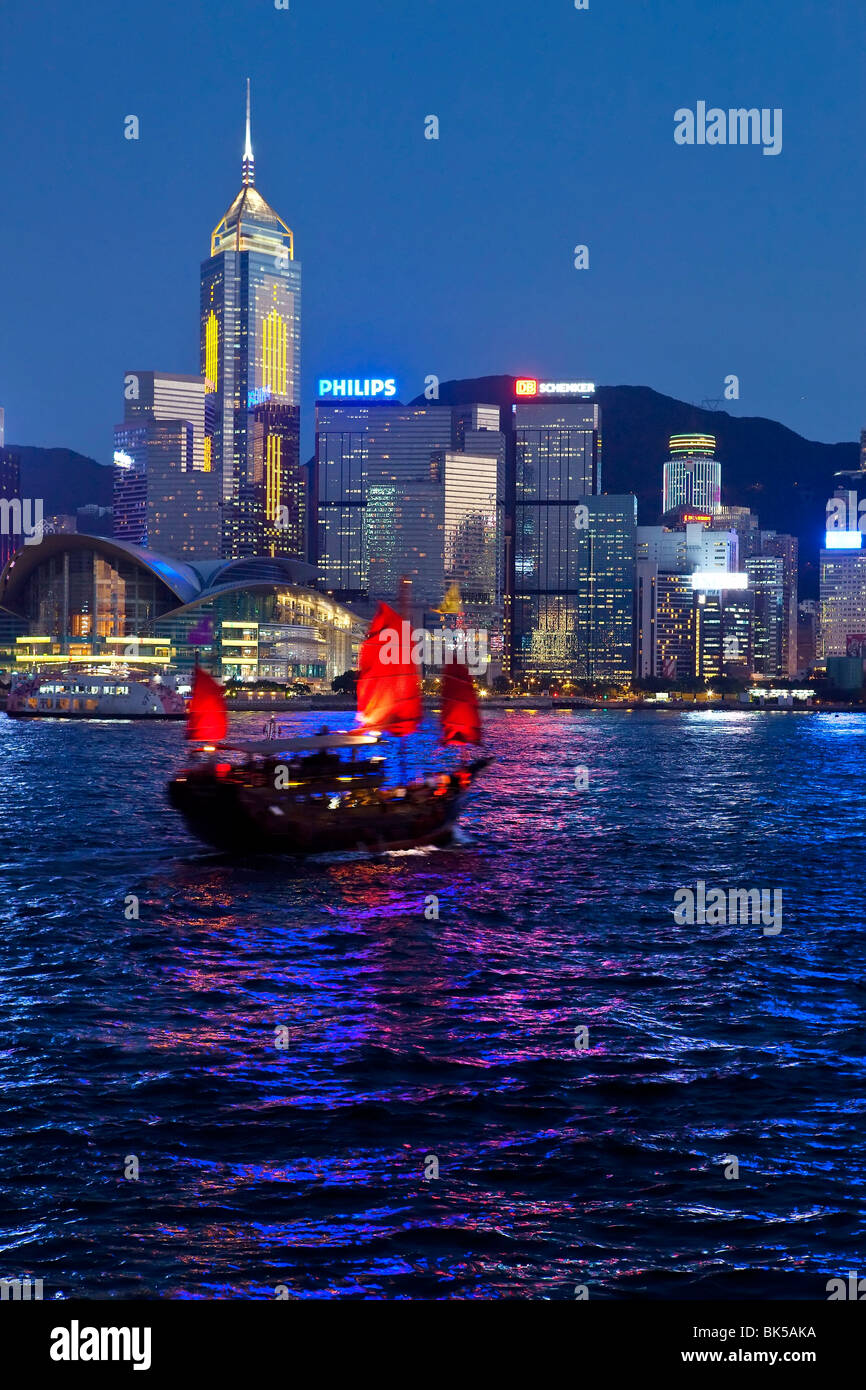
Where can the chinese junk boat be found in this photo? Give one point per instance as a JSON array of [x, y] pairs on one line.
[[327, 792]]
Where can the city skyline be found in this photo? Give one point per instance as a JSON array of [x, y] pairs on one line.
[[520, 290]]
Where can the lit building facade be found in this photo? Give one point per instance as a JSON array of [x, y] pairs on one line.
[[694, 546], [165, 493], [693, 616], [785, 549], [471, 484], [553, 627], [85, 600], [250, 359], [574, 599], [842, 590], [692, 474], [11, 535], [767, 583], [842, 599], [723, 634], [665, 623], [411, 492]]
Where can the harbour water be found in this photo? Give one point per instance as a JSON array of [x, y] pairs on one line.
[[367, 1078]]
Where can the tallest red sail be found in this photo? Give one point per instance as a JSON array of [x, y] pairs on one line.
[[389, 684], [207, 719]]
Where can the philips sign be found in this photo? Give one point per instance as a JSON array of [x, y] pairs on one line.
[[352, 389]]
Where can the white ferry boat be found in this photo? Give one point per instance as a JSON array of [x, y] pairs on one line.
[[80, 696]]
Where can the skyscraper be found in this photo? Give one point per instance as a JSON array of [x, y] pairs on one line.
[[10, 501], [554, 467], [843, 599], [692, 474], [411, 491], [767, 582], [786, 549], [689, 622], [843, 566], [165, 494], [250, 357]]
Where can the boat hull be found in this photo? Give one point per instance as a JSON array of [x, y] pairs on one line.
[[257, 820]]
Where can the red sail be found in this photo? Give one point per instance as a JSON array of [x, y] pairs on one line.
[[389, 684], [461, 720], [207, 720]]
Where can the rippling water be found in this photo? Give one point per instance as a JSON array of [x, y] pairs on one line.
[[412, 1040]]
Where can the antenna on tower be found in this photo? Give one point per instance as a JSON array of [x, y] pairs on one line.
[[248, 168]]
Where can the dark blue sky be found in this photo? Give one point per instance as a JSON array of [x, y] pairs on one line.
[[453, 257]]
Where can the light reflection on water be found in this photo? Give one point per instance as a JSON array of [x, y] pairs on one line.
[[408, 1037]]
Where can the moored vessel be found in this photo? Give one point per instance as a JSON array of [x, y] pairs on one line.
[[78, 695]]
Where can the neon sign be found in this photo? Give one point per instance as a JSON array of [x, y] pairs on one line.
[[530, 386], [355, 389]]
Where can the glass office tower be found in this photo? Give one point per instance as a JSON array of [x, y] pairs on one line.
[[785, 548], [251, 357], [10, 493], [767, 583], [411, 491], [472, 534], [573, 568], [165, 494], [379, 473], [574, 609]]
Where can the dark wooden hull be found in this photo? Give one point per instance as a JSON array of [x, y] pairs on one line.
[[234, 816]]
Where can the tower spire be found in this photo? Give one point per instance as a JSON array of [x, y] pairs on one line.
[[248, 168]]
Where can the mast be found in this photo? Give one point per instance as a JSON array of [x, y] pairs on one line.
[[405, 592], [248, 166]]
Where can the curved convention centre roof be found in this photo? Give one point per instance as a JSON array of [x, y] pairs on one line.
[[187, 581], [178, 577]]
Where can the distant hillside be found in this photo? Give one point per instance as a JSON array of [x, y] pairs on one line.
[[63, 479], [784, 478]]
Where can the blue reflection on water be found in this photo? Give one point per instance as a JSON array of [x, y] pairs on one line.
[[406, 1038]]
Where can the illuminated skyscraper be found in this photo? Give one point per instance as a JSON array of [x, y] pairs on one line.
[[251, 357], [412, 491], [165, 495], [692, 474], [786, 549], [685, 627], [571, 581], [767, 583], [10, 501]]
